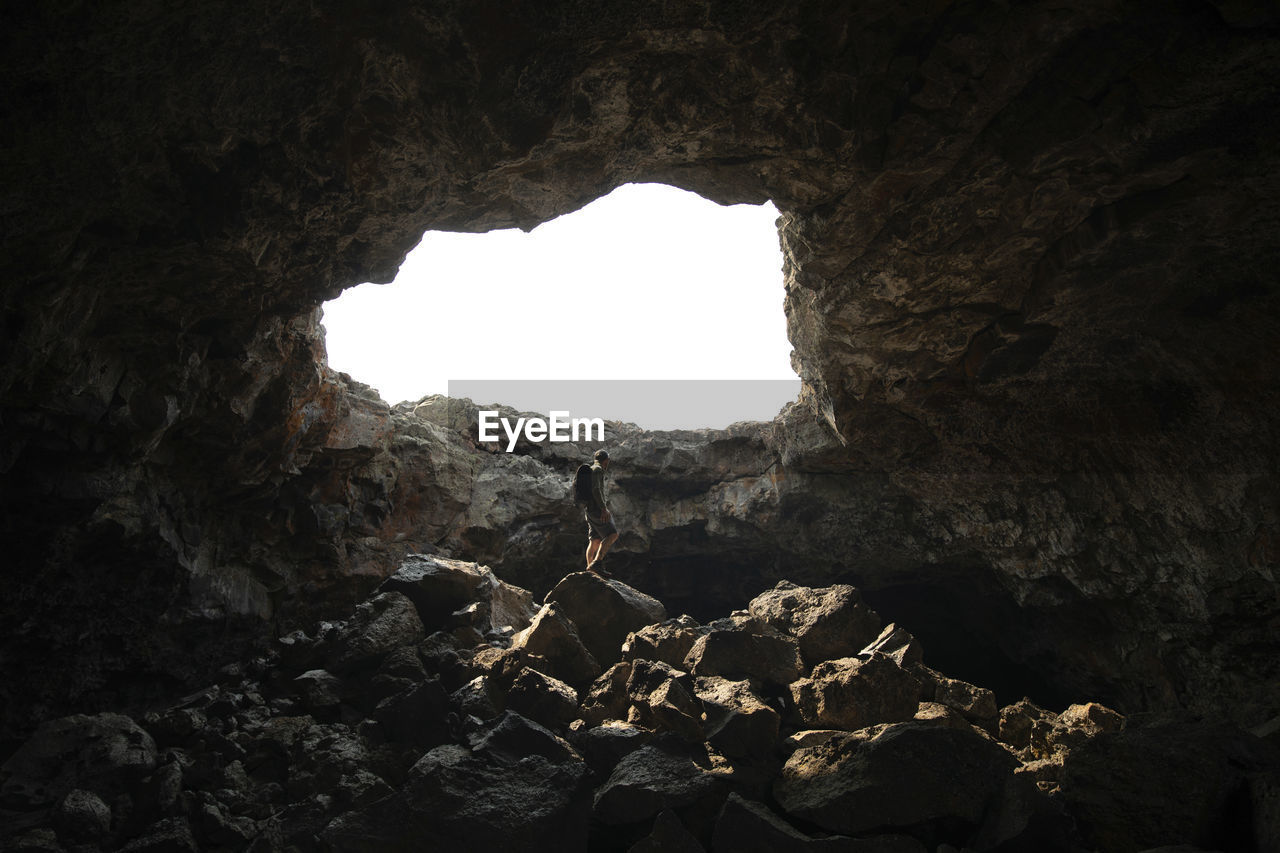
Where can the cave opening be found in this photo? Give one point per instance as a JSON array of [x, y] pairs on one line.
[[648, 283]]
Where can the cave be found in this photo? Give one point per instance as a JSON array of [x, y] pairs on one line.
[[1030, 259]]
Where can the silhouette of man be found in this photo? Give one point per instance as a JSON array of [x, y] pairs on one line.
[[601, 532]]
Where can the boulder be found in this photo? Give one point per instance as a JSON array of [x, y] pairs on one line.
[[828, 623], [975, 704], [82, 817], [904, 775], [605, 611], [103, 753], [319, 691], [605, 745], [379, 626], [668, 835], [652, 779], [519, 790], [668, 641], [852, 693], [1081, 722], [1026, 727], [898, 644], [542, 698], [738, 722], [1161, 782], [478, 698], [663, 698], [745, 826], [553, 637], [170, 835], [417, 716], [606, 698], [439, 586], [747, 650]]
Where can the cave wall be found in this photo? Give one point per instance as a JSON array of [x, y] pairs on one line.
[[1030, 259]]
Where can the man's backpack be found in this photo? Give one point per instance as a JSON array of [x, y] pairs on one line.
[[582, 485]]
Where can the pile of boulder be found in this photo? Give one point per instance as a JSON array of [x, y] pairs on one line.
[[452, 711]]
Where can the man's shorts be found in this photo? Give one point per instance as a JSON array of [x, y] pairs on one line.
[[598, 528]]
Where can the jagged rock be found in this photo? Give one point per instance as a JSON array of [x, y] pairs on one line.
[[379, 626], [977, 704], [898, 644], [519, 789], [810, 737], [652, 779], [478, 698], [416, 716], [1165, 782], [663, 698], [103, 753], [851, 693], [607, 697], [439, 586], [906, 774], [605, 612], [829, 623], [748, 650], [319, 691], [1026, 727], [82, 817], [169, 835], [543, 699], [942, 715], [1080, 722], [667, 836], [745, 826], [603, 746], [553, 637], [738, 723], [668, 641]]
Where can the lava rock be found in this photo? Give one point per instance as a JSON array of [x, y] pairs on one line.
[[898, 644], [903, 775], [82, 817], [439, 586], [745, 826], [543, 699], [554, 637], [104, 753], [607, 697], [605, 612], [831, 622], [851, 693], [752, 651], [663, 698], [1164, 782], [668, 835], [652, 779], [379, 626], [668, 641], [739, 723]]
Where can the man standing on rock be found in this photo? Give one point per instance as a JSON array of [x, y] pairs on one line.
[[601, 532]]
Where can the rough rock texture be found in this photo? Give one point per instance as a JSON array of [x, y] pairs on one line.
[[456, 740], [1030, 259]]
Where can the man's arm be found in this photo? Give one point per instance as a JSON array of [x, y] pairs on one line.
[[597, 490]]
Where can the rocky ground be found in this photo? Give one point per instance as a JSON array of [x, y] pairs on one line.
[[452, 711]]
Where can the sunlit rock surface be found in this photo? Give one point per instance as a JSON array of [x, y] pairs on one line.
[[1030, 263]]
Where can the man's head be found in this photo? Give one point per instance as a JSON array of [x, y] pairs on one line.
[[602, 456]]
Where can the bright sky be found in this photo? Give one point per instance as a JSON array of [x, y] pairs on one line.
[[673, 287]]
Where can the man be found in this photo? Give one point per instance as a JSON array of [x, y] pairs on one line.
[[601, 532]]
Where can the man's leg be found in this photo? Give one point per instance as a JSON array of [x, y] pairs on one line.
[[605, 545], [593, 551]]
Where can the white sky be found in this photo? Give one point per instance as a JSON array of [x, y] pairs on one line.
[[680, 288]]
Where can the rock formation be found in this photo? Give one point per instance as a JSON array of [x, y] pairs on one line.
[[367, 735], [1030, 259]]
